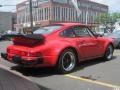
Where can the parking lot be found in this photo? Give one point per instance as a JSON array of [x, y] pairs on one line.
[[91, 75]]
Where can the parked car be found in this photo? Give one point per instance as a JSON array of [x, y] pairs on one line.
[[103, 32], [2, 37], [11, 32], [116, 36], [60, 45]]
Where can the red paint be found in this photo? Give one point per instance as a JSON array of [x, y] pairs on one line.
[[54, 44]]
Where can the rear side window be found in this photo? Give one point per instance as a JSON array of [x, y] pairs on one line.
[[68, 33]]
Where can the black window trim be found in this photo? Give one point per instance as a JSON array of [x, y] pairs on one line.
[[67, 36], [91, 34]]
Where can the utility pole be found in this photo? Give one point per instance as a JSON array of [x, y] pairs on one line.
[[31, 15], [86, 16]]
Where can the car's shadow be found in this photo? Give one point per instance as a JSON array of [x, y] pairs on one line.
[[35, 72], [45, 72]]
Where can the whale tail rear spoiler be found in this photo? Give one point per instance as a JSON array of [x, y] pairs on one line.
[[27, 36], [27, 40]]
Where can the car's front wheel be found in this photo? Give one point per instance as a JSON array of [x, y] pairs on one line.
[[109, 52], [67, 61]]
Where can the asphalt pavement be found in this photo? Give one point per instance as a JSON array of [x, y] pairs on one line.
[[91, 75]]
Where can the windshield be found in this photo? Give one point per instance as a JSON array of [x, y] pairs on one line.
[[47, 29]]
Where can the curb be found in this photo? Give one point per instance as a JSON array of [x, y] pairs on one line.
[[14, 72]]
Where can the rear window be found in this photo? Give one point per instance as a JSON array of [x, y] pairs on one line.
[[47, 29]]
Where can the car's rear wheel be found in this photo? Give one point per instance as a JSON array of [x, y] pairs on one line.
[[67, 61], [109, 52]]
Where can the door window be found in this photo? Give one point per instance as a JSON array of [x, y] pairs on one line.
[[82, 32]]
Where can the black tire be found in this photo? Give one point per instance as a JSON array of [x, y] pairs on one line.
[[109, 52], [67, 61]]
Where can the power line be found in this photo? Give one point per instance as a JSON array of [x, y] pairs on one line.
[[9, 6]]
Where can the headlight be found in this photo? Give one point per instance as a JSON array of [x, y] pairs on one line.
[[115, 39]]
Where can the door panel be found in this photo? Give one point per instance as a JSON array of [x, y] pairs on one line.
[[87, 43], [89, 47]]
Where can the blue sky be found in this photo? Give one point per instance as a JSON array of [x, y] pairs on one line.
[[113, 4]]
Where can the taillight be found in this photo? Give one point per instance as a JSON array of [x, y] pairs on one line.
[[31, 54]]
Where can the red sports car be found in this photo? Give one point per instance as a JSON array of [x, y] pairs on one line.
[[62, 45]]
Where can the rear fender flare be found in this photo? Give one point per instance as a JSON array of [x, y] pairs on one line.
[[72, 48]]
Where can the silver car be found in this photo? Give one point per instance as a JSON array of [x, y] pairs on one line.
[[116, 37]]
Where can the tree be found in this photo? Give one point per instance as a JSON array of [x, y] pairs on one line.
[[107, 18], [115, 17], [103, 18]]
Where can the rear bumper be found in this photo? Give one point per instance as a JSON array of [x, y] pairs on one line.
[[20, 60]]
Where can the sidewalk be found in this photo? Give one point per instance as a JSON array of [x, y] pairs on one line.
[[11, 81]]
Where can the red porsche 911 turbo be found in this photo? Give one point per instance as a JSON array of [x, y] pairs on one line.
[[60, 45]]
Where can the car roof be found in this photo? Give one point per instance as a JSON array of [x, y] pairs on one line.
[[72, 24]]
